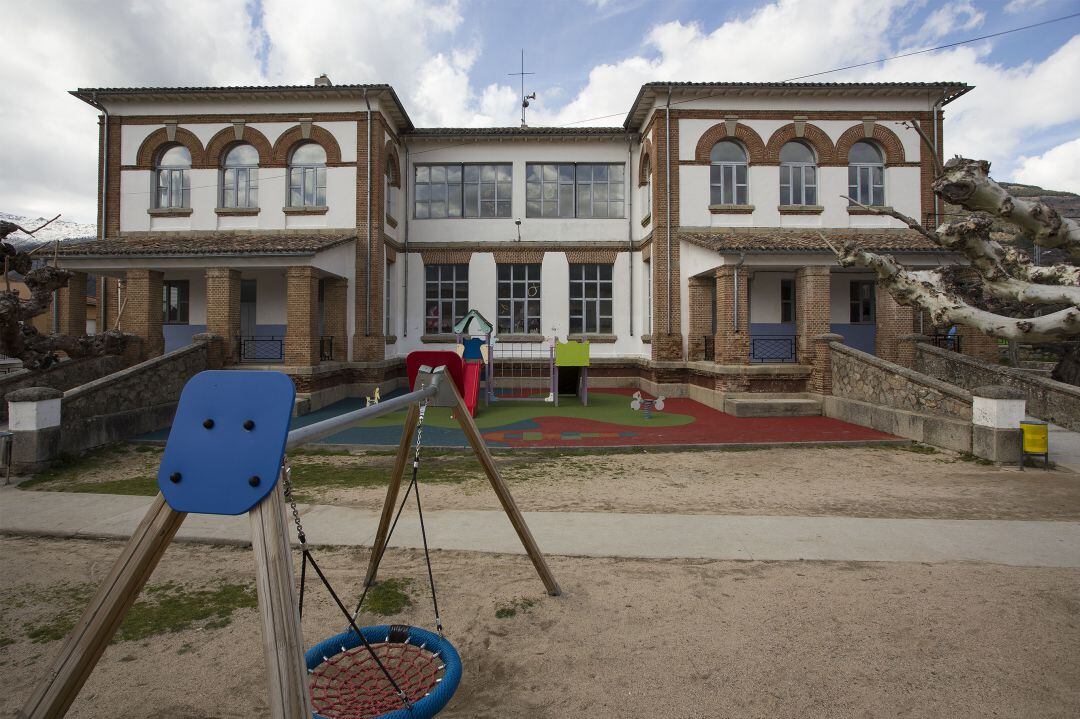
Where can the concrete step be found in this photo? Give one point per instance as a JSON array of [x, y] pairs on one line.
[[766, 406]]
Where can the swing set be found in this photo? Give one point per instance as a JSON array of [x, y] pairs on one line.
[[225, 455]]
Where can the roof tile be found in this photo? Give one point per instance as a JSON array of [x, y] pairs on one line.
[[209, 243], [808, 239]]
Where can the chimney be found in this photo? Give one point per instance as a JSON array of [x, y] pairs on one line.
[[322, 81]]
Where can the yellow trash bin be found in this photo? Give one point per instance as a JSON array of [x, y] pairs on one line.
[[1036, 441]]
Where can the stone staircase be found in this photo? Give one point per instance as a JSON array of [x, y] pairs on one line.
[[769, 404]]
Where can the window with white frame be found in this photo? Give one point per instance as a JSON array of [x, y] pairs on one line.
[[519, 299], [175, 301], [861, 301], [798, 175], [172, 178], [240, 178], [307, 176], [463, 190], [727, 174], [595, 190], [446, 297], [590, 299], [866, 174]]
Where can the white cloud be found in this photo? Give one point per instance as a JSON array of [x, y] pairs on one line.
[[1018, 6], [955, 16], [1056, 169]]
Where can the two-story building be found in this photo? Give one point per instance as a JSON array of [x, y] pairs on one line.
[[320, 232]]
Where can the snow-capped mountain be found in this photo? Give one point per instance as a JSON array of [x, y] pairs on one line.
[[63, 230]]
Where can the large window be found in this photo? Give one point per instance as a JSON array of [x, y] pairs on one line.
[[787, 300], [569, 190], [861, 301], [866, 174], [172, 178], [590, 299], [307, 176], [798, 175], [727, 174], [175, 296], [444, 191], [646, 200], [446, 297], [240, 178], [519, 299]]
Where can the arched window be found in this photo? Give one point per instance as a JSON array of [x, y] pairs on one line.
[[866, 174], [646, 201], [173, 177], [798, 175], [240, 177], [307, 176], [728, 174], [389, 189]]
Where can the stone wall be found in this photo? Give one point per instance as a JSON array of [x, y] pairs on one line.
[[1047, 399], [864, 378], [62, 376], [141, 398]]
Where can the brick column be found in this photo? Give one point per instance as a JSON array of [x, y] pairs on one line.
[[820, 360], [336, 314], [109, 290], [732, 318], [702, 305], [975, 344], [302, 318], [812, 309], [141, 313], [894, 321], [71, 306], [223, 308], [667, 333]]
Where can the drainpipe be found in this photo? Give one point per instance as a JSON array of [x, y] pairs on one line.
[[103, 294], [630, 225], [405, 175], [667, 192], [735, 314], [367, 268]]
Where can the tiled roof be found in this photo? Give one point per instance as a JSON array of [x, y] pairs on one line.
[[422, 132], [787, 239], [209, 243]]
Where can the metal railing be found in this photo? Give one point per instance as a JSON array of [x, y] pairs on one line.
[[946, 341], [772, 348], [261, 348], [326, 348]]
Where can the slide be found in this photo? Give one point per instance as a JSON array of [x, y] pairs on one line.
[[472, 385]]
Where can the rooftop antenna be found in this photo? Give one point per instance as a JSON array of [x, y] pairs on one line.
[[524, 98]]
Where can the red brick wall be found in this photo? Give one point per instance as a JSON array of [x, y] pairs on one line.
[[302, 316], [223, 307]]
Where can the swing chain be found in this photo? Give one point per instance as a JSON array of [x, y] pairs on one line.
[[288, 487]]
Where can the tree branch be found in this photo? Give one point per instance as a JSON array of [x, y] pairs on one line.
[[914, 124]]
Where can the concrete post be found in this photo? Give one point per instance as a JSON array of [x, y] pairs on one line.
[[996, 413], [34, 420]]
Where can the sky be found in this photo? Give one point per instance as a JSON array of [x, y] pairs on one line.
[[450, 62]]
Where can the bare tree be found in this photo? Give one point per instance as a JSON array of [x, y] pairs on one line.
[[18, 337], [1000, 291]]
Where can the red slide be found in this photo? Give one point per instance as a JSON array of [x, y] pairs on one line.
[[472, 385]]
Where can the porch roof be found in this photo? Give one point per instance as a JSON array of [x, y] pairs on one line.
[[188, 244], [807, 239]]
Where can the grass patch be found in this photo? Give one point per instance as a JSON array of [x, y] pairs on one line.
[[317, 452], [968, 457], [169, 607], [141, 486], [6, 642], [311, 476], [388, 597], [511, 608], [149, 449]]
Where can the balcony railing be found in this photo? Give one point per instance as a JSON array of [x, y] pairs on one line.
[[326, 348], [772, 348], [261, 348], [946, 341]]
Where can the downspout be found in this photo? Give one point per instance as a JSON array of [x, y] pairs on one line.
[[735, 313], [630, 225], [667, 193], [367, 268], [405, 175], [103, 291]]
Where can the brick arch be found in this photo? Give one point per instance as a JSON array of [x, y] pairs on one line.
[[392, 163], [885, 139], [159, 138], [295, 135], [751, 141], [812, 135], [226, 138], [645, 163]]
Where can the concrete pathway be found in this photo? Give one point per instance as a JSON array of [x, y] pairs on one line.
[[1064, 447], [593, 534]]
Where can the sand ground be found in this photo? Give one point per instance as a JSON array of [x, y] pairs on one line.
[[838, 481], [629, 638]]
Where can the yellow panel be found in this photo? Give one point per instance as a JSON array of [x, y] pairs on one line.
[[1036, 437]]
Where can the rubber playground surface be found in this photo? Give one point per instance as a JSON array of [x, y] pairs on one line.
[[608, 421]]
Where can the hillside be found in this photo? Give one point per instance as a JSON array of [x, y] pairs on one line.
[[62, 230]]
